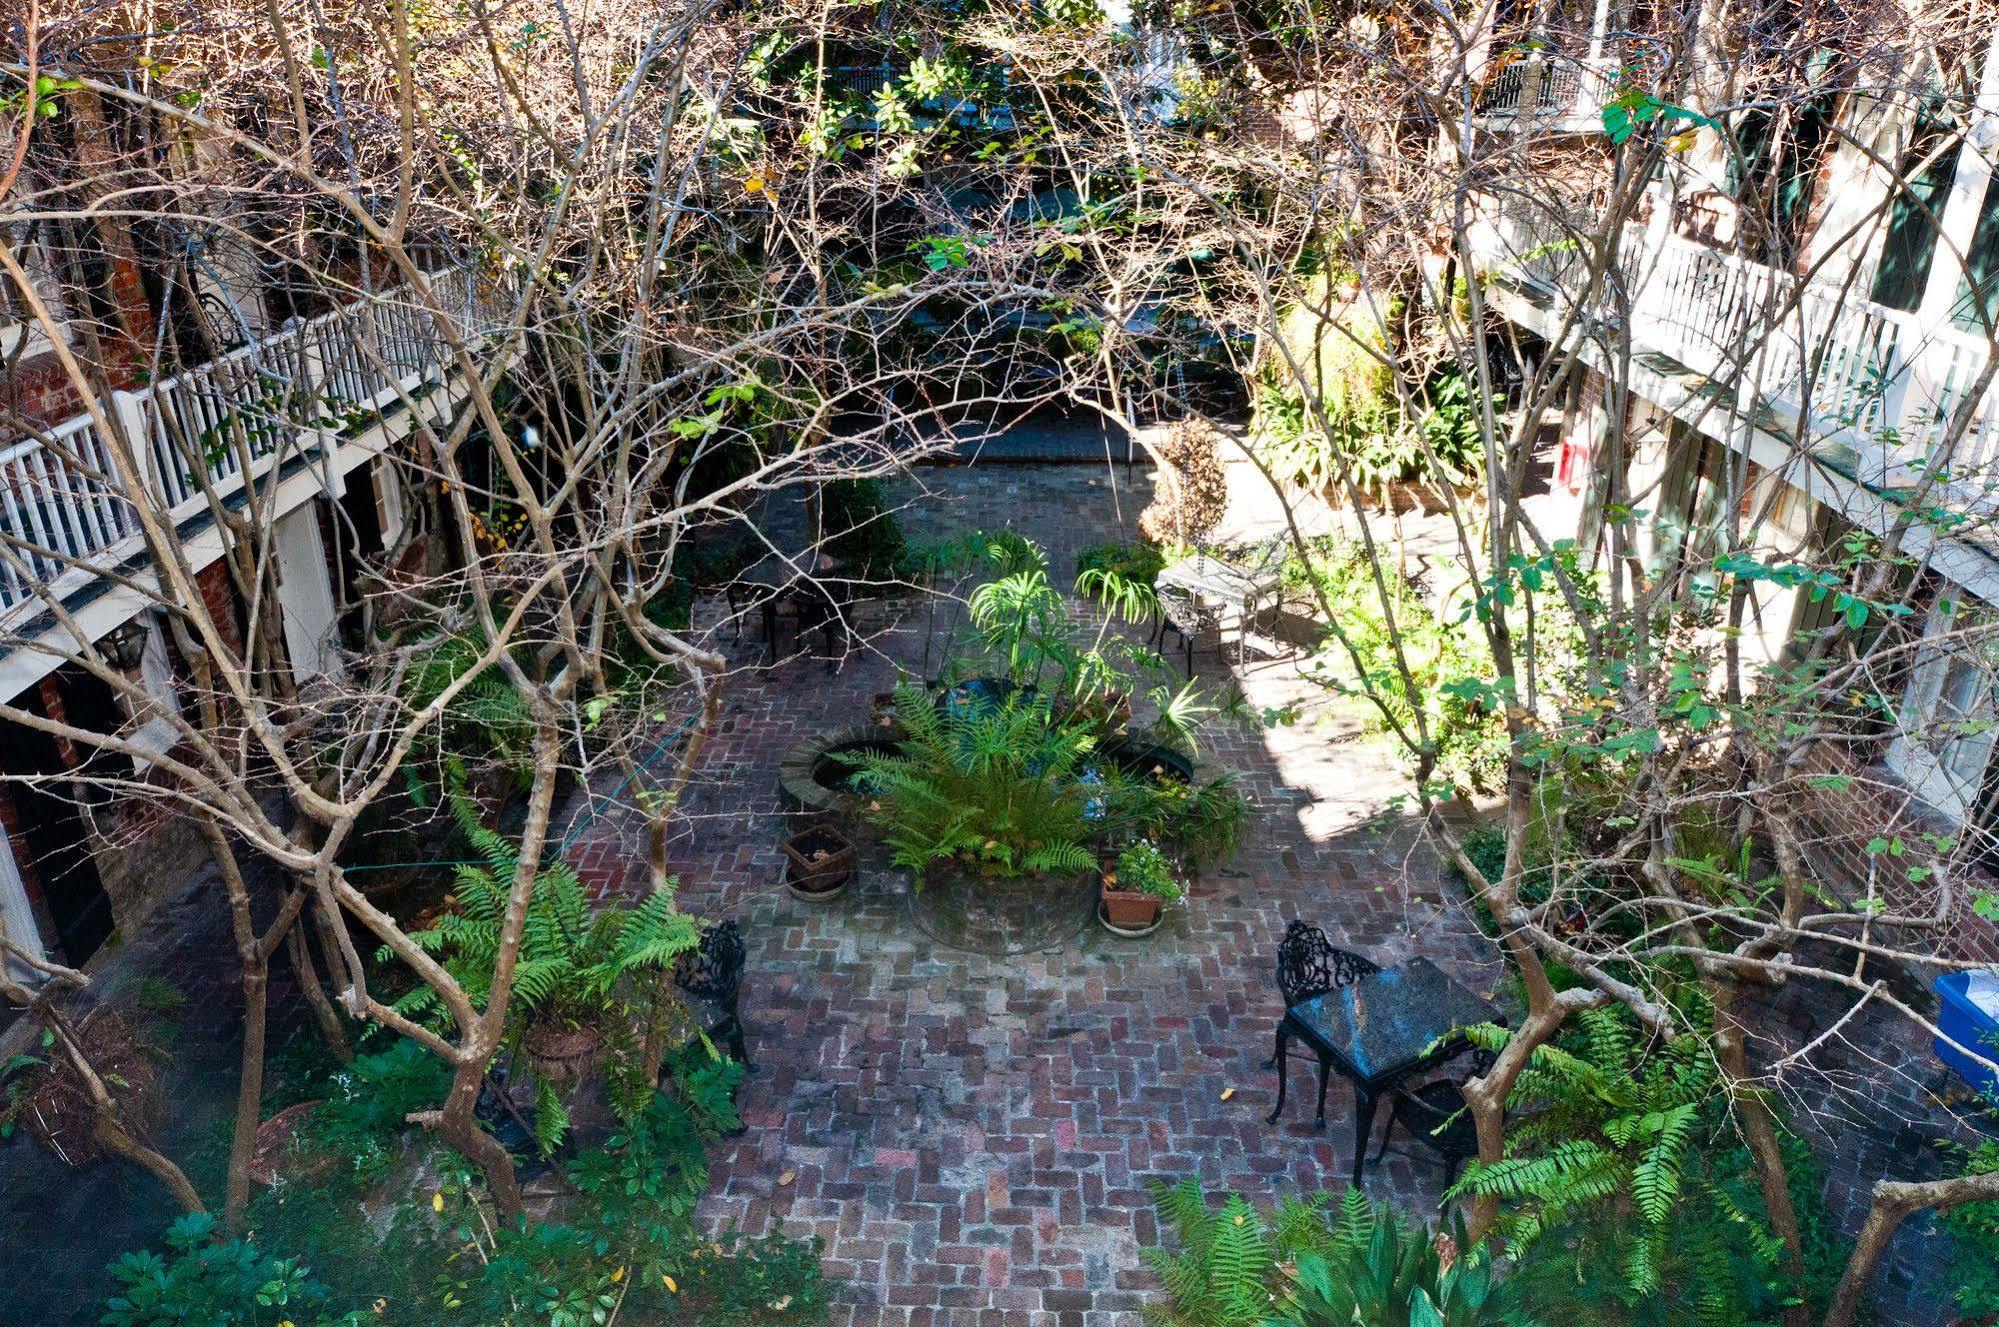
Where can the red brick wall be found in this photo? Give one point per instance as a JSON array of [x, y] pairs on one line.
[[218, 596]]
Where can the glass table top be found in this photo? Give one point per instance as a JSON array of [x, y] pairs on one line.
[[1387, 1022]]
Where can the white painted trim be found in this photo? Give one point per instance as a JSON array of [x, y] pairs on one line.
[[17, 915]]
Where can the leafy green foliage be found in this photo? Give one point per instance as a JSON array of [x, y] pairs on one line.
[[1145, 869], [996, 789], [1974, 1228], [1389, 647], [198, 1279], [1625, 1199], [1318, 1264], [572, 957], [1603, 1119], [1119, 579], [366, 1106], [1199, 824]]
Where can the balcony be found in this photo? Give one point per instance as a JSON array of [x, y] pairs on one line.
[[1870, 391], [201, 435], [1547, 92]]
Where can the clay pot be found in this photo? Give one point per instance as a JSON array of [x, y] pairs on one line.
[[1127, 911], [273, 1156], [818, 863], [559, 1051]]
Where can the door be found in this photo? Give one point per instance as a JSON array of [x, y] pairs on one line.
[[305, 594], [1948, 732], [54, 836]]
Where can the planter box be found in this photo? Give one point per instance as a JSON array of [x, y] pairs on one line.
[[818, 862], [1968, 1020]]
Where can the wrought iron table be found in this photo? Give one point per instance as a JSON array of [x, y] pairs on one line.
[[816, 592], [1203, 579], [1379, 1028]]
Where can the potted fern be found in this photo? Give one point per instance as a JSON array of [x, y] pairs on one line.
[[1135, 890], [997, 793], [567, 1009], [990, 812]]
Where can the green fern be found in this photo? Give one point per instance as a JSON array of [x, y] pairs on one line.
[[1610, 1195], [1001, 790], [574, 959]]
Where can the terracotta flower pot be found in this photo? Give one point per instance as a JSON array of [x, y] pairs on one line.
[[273, 1156], [818, 863], [561, 1052], [1127, 911]]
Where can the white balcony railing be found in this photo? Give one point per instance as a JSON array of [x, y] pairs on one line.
[[1544, 87], [62, 508], [1802, 353]]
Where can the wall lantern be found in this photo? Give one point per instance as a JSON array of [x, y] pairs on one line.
[[125, 646]]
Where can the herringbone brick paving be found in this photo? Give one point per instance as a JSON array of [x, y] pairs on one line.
[[972, 1136]]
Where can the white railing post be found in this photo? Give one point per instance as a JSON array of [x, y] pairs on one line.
[[130, 410], [1532, 74]]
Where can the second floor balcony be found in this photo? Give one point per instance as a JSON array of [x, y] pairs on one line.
[[1899, 402], [200, 437]]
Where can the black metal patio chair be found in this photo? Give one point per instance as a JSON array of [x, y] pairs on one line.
[[713, 973]]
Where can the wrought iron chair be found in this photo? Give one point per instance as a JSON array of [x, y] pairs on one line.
[[1183, 614], [1434, 1115], [1309, 965], [714, 973]]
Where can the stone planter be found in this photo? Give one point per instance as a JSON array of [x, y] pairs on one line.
[[812, 780], [980, 914], [818, 864], [558, 1051]]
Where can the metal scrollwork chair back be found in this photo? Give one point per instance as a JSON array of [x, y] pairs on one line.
[[1308, 964], [714, 973]]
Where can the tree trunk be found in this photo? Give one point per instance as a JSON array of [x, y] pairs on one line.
[[1759, 1132], [249, 1093], [330, 1027], [1486, 1096], [1894, 1202], [458, 1126]]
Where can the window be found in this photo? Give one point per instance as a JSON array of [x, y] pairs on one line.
[[1977, 302], [1927, 170]]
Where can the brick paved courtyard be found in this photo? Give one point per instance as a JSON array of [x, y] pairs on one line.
[[972, 1136]]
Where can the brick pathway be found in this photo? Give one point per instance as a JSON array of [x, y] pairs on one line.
[[972, 1136]]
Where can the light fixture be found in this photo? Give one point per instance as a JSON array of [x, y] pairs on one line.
[[123, 647]]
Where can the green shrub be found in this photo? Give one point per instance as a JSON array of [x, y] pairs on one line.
[[216, 1283], [996, 789], [1974, 1228], [1401, 659], [367, 1105]]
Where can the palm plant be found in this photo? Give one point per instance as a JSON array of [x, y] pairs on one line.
[[1023, 621], [999, 789]]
